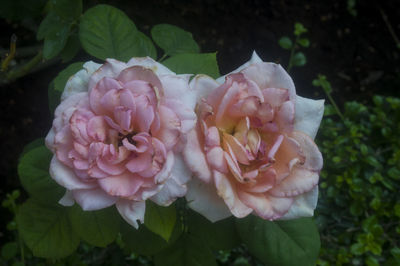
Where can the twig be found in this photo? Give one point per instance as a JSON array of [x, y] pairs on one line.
[[25, 69], [390, 28]]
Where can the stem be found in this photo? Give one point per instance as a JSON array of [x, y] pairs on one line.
[[20, 243], [162, 58], [290, 65], [390, 28], [24, 51], [332, 101], [25, 69]]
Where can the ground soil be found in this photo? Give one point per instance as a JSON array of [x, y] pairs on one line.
[[356, 53]]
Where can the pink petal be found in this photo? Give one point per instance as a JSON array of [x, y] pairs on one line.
[[194, 156], [170, 127], [139, 163], [228, 192], [212, 137], [98, 92], [140, 73], [266, 206], [109, 168], [66, 177], [123, 185], [285, 117], [97, 128], [93, 199], [275, 97], [240, 152], [216, 159]]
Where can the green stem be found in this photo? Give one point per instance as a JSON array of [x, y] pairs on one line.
[[332, 101], [290, 65], [25, 69], [162, 58], [390, 28], [20, 243]]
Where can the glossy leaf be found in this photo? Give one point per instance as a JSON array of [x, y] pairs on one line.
[[33, 171], [106, 32], [46, 229], [220, 235], [187, 250], [98, 228], [281, 242], [194, 64], [160, 220], [174, 40], [144, 242]]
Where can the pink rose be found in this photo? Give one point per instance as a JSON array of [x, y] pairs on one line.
[[116, 135], [253, 150]]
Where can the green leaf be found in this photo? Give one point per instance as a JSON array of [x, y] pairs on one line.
[[299, 59], [31, 145], [304, 42], [299, 29], [174, 40], [144, 242], [71, 48], [281, 242], [194, 64], [106, 32], [285, 42], [187, 250], [67, 10], [220, 235], [98, 228], [33, 171], [56, 26], [55, 42], [57, 86], [61, 80], [9, 250], [160, 220], [46, 229]]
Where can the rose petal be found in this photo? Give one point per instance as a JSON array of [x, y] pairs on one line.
[[194, 156], [132, 211], [303, 205], [66, 177], [93, 199], [308, 115], [123, 185], [203, 198]]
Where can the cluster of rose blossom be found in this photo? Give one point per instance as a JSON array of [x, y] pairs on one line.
[[129, 132]]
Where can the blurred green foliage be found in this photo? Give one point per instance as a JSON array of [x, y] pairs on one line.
[[359, 206]]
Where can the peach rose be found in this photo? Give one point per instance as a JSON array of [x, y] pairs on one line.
[[117, 133], [253, 150]]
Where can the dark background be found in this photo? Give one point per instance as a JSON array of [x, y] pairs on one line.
[[356, 53]]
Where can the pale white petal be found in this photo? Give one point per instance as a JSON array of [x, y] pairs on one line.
[[79, 81], [93, 199], [203, 198], [254, 59], [66, 177], [308, 115], [148, 62], [177, 88], [169, 193], [131, 211], [203, 85], [303, 205], [67, 199]]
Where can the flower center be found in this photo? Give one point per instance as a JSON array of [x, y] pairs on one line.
[[128, 136]]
